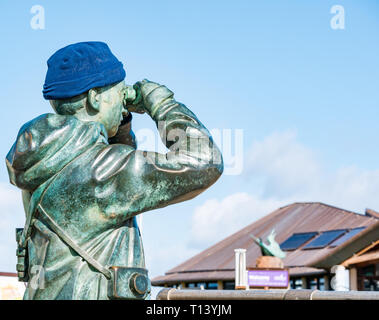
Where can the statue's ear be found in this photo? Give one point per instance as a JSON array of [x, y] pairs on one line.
[[93, 99]]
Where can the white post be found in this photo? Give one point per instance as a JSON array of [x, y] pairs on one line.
[[340, 282], [240, 269]]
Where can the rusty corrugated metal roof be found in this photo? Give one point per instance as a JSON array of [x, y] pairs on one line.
[[301, 271], [372, 213], [8, 274], [294, 218]]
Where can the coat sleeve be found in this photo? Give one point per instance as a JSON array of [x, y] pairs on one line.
[[144, 180]]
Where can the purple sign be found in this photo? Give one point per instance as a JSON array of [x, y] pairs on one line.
[[268, 278]]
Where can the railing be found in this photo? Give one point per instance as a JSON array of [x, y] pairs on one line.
[[185, 294]]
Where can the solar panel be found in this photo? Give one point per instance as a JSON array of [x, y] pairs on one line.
[[296, 240], [324, 239], [346, 237]]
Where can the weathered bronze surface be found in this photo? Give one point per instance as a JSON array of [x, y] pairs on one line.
[[84, 182], [271, 248]]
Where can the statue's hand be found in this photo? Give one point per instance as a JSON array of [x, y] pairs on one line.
[[133, 98], [143, 101]]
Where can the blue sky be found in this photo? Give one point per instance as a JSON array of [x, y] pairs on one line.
[[305, 95]]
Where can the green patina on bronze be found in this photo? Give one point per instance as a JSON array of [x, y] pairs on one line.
[[84, 182], [271, 248]]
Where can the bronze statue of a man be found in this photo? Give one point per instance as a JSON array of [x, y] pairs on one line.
[[83, 181]]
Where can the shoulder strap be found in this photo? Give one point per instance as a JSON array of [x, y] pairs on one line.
[[34, 200], [71, 243]]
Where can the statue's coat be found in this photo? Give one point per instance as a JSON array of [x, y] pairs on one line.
[[93, 190]]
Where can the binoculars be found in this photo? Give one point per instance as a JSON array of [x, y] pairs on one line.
[[129, 95]]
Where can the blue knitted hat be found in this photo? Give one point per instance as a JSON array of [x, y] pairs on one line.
[[80, 67]]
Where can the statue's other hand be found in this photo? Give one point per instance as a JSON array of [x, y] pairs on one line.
[[145, 101], [136, 105]]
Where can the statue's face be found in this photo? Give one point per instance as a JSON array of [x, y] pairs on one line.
[[111, 108]]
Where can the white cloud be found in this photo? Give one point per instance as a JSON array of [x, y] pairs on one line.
[[11, 217], [284, 165], [284, 171], [216, 219], [159, 258], [351, 188]]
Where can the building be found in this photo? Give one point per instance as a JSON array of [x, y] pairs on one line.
[[10, 287], [319, 240]]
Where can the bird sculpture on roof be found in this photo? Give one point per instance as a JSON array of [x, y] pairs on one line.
[[271, 248]]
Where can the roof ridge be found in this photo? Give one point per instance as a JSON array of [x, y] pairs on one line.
[[371, 213], [330, 206]]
